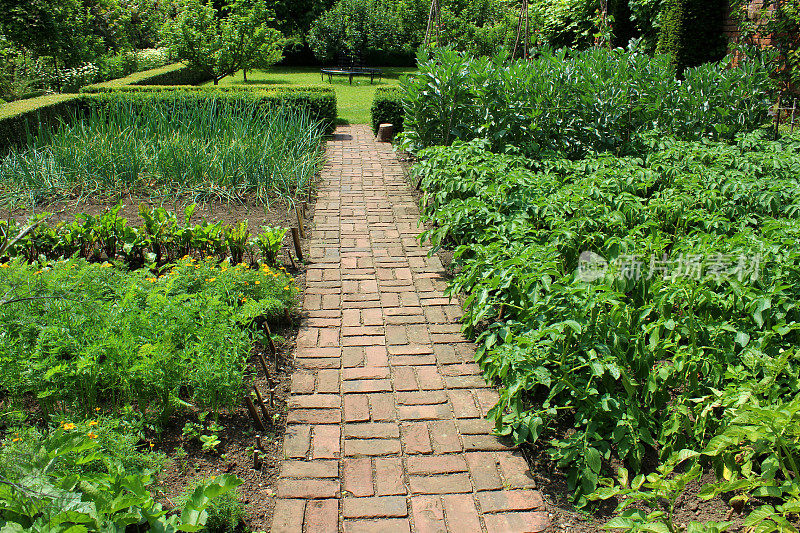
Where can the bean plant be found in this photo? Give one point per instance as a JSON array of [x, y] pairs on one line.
[[566, 104]]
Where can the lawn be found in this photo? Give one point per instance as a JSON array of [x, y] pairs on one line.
[[353, 101]]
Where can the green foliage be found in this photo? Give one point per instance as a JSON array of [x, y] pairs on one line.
[[387, 107], [203, 144], [175, 74], [269, 242], [17, 118], [85, 335], [691, 32], [671, 35], [773, 25], [225, 512], [569, 105], [217, 45], [42, 492], [163, 238], [358, 29], [634, 366]]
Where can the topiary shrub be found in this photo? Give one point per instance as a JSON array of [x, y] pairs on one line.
[[387, 107]]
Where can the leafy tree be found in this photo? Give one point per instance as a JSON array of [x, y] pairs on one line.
[[221, 45]]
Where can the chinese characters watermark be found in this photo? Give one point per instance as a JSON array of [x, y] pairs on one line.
[[592, 267]]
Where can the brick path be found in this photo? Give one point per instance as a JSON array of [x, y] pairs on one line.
[[386, 428]]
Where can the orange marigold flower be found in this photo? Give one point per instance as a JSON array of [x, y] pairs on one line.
[[93, 423], [69, 426], [91, 435]]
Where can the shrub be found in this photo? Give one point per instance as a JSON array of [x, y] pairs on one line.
[[387, 107], [175, 74], [19, 118]]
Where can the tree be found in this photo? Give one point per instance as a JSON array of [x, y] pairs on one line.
[[218, 46]]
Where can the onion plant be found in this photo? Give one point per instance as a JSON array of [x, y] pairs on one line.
[[200, 148]]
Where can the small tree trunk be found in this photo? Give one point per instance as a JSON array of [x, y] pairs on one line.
[[216, 81], [244, 73]]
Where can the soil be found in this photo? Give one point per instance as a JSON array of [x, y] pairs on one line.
[[238, 437], [552, 483]]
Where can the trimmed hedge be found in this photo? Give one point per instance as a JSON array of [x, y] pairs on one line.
[[175, 74], [17, 118], [387, 107]]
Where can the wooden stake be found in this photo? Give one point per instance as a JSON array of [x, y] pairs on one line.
[[305, 209], [256, 460], [265, 368], [269, 338], [264, 410], [254, 414], [297, 211], [297, 249], [272, 398], [291, 259], [258, 443]]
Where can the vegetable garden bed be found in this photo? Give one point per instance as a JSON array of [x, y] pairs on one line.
[[135, 325]]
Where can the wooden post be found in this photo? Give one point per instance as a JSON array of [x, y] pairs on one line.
[[264, 410], [254, 414], [256, 460], [300, 224], [269, 338], [264, 368], [297, 249]]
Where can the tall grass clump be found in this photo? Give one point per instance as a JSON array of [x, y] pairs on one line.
[[203, 148]]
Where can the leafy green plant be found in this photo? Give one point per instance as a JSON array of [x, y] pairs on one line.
[[269, 242], [40, 492], [564, 104], [225, 513], [83, 335], [648, 357]]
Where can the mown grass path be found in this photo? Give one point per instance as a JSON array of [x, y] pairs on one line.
[[386, 427]]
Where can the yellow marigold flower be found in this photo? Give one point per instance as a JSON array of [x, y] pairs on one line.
[[211, 279], [4, 265], [37, 272], [151, 445], [69, 426], [16, 439], [91, 435], [258, 282], [286, 288], [97, 409], [93, 423]]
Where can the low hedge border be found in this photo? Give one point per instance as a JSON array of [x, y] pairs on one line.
[[174, 74], [17, 118], [387, 107]]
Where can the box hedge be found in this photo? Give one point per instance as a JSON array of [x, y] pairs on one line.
[[175, 74], [17, 118], [387, 107]]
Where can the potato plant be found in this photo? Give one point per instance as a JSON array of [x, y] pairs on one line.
[[689, 313]]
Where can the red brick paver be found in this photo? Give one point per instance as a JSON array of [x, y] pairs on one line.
[[386, 428]]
